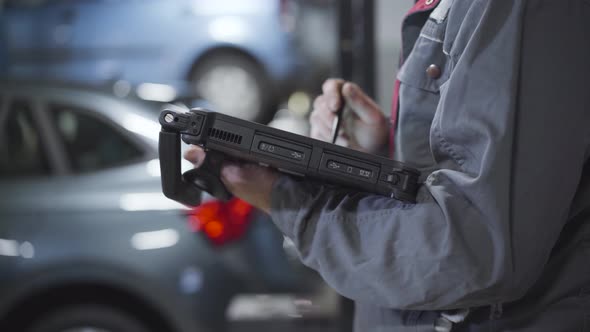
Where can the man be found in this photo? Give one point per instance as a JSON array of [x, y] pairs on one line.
[[494, 108]]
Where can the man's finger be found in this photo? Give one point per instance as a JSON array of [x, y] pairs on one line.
[[322, 135], [321, 125], [320, 113], [195, 155], [361, 104], [342, 140], [320, 104], [231, 173], [332, 91], [236, 173]]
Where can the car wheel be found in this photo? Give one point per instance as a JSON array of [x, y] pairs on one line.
[[234, 85], [88, 318]]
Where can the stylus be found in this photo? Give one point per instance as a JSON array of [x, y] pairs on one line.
[[337, 121]]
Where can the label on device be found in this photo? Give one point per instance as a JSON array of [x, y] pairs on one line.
[[344, 168], [352, 168], [270, 146], [281, 151]]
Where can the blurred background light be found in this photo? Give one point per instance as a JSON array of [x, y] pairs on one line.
[[148, 202], [27, 250], [156, 92], [228, 28], [244, 307], [191, 280], [160, 239], [12, 248], [142, 126], [299, 102], [153, 167], [9, 248], [121, 88], [290, 121]]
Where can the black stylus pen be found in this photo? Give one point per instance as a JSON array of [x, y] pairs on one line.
[[337, 120]]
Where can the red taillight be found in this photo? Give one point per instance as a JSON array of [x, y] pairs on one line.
[[222, 222]]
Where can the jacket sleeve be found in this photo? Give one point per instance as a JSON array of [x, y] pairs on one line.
[[509, 139]]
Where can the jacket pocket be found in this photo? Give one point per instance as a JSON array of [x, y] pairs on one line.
[[427, 67]]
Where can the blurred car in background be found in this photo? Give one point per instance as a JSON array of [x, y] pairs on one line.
[[241, 56], [89, 243]]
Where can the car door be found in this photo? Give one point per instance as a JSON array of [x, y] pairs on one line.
[[67, 171], [26, 151], [27, 171]]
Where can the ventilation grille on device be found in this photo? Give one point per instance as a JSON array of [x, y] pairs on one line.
[[223, 135]]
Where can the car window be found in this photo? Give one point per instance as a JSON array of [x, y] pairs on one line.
[[21, 150], [92, 143]]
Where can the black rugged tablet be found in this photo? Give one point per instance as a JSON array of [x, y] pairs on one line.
[[224, 136]]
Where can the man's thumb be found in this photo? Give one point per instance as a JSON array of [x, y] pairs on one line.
[[361, 104]]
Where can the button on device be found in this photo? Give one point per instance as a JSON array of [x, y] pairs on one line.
[[433, 71]]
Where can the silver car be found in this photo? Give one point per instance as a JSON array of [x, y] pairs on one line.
[[89, 243]]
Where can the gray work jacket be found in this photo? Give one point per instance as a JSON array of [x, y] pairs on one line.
[[502, 220]]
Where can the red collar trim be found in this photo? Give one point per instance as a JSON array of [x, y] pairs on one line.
[[423, 5]]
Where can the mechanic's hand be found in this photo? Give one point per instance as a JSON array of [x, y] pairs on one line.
[[247, 181], [365, 129]]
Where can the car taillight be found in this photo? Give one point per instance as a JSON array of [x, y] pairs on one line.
[[221, 222]]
